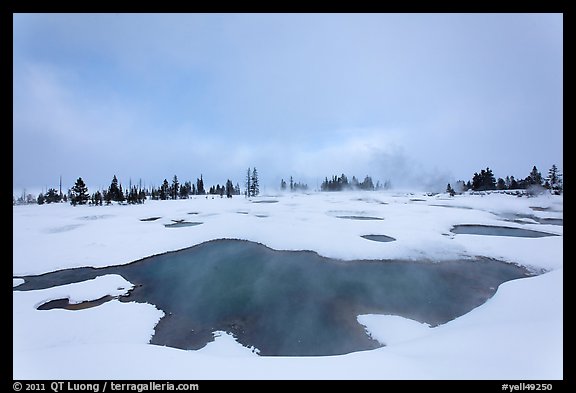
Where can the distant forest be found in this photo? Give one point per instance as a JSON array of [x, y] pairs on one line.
[[341, 183], [534, 182], [133, 194], [136, 194]]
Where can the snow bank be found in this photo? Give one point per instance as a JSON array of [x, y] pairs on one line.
[[393, 329], [110, 322], [515, 335], [65, 236]]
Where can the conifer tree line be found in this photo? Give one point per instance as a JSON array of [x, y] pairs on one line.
[[136, 194], [341, 183], [485, 180], [79, 195], [294, 186]]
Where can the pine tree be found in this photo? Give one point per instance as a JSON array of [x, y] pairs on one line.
[[106, 196], [450, 190], [40, 199], [229, 188], [132, 197], [513, 183], [489, 181], [535, 177], [79, 193], [282, 185], [248, 182], [476, 181], [484, 180], [200, 186], [52, 196], [121, 196], [555, 180], [174, 188], [185, 190], [367, 184], [164, 190], [254, 187], [114, 192], [97, 198], [355, 182]]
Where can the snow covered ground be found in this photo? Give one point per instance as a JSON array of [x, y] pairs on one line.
[[517, 334]]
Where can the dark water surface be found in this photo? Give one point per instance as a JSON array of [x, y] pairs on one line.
[[489, 230], [182, 224], [362, 218], [379, 238], [291, 302]]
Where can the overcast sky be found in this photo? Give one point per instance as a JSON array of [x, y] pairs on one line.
[[414, 98]]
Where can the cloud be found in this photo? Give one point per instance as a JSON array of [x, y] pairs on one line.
[[359, 152], [392, 96], [59, 128]]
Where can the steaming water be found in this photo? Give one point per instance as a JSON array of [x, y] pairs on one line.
[[291, 302]]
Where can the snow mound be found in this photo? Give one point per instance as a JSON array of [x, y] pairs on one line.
[[392, 329]]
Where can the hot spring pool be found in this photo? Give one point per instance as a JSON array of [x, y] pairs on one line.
[[291, 303]]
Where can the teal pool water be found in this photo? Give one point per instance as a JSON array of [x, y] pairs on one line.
[[291, 303]]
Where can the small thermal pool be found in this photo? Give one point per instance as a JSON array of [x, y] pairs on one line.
[[379, 238], [489, 230]]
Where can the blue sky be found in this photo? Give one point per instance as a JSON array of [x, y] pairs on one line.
[[420, 99]]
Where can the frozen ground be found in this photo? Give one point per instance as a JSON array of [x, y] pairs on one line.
[[518, 334]]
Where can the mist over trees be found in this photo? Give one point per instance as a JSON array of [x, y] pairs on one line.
[[341, 183], [294, 186]]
